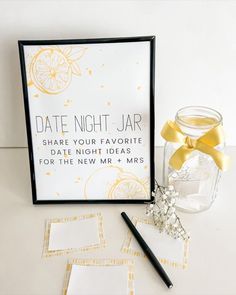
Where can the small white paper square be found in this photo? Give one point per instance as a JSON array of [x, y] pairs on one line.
[[73, 234], [98, 280], [70, 234]]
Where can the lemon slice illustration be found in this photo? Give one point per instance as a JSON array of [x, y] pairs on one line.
[[28, 59], [50, 71], [128, 189], [100, 181], [113, 182]]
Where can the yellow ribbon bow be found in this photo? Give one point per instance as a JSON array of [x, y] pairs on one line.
[[205, 144]]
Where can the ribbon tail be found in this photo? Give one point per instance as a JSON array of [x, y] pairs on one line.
[[181, 155], [221, 160]]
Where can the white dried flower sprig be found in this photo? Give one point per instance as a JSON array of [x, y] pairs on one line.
[[162, 209]]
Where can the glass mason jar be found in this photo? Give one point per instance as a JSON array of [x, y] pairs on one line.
[[197, 180]]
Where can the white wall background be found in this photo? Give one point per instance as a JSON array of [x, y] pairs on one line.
[[195, 57]]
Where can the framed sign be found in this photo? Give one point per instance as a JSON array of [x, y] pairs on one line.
[[89, 108]]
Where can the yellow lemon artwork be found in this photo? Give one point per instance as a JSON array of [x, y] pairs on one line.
[[129, 188], [119, 184], [51, 68]]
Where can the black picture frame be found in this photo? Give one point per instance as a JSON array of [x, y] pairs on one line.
[[21, 45]]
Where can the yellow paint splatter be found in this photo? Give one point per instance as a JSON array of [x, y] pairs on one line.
[[48, 173], [145, 167], [90, 72], [67, 102], [78, 179], [36, 95]]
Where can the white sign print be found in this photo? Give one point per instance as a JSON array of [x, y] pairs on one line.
[[89, 115]]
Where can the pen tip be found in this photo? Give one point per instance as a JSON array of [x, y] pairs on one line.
[[170, 286]]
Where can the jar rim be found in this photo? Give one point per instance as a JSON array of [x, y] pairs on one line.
[[198, 111]]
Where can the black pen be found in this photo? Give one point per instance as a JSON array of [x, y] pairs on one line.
[[152, 258]]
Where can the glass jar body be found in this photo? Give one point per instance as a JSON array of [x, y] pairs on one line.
[[197, 180]]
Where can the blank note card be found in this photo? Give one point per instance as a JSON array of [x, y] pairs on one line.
[[75, 233], [169, 251], [99, 277]]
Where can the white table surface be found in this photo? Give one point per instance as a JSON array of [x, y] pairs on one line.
[[23, 271]]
